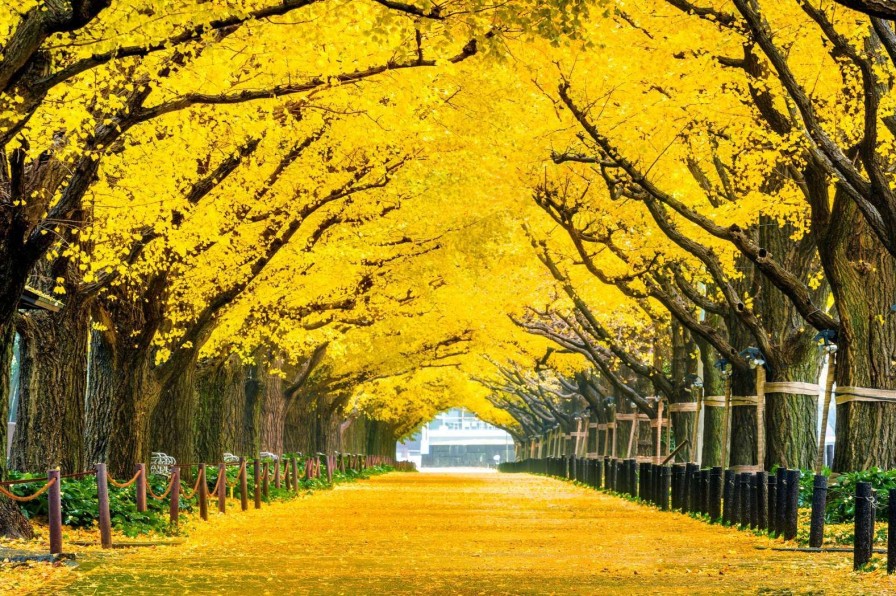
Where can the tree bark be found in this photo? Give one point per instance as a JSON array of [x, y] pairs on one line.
[[863, 279], [50, 422], [713, 418], [273, 406], [100, 394], [12, 523], [174, 417], [791, 420], [219, 386]]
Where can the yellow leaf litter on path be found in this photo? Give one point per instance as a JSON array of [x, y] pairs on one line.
[[466, 534]]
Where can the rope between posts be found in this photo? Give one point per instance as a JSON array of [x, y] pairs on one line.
[[218, 484], [189, 495], [164, 494], [35, 480], [123, 484], [239, 472], [19, 499]]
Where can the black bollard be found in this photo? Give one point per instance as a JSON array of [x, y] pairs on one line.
[[611, 475], [687, 501], [643, 480], [677, 485], [781, 502], [698, 506], [673, 487], [617, 476], [715, 494], [891, 532], [704, 491], [771, 506], [659, 484], [598, 474], [762, 500], [632, 477], [793, 504], [819, 501], [735, 501], [694, 496], [744, 501], [864, 528], [653, 477], [696, 491], [728, 497], [665, 486], [754, 501]]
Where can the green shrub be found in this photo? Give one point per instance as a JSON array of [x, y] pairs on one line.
[[81, 510]]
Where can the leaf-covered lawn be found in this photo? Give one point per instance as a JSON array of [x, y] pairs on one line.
[[466, 534]]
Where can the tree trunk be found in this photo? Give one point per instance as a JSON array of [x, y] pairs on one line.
[[174, 417], [273, 407], [682, 366], [301, 427], [713, 418], [791, 420], [219, 388], [237, 436], [381, 439], [12, 523], [863, 279], [251, 414], [101, 384], [743, 422], [50, 422], [125, 346]]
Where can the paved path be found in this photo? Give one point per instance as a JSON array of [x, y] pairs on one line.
[[467, 534]]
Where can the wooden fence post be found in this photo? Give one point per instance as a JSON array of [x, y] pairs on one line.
[[266, 483], [203, 494], [295, 474], [222, 488], [760, 416], [174, 497], [141, 488], [244, 485], [102, 497], [256, 472], [277, 472], [54, 498]]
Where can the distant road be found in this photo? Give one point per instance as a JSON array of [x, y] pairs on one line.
[[466, 470]]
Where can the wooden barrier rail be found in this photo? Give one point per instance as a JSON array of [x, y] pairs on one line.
[[51, 487]]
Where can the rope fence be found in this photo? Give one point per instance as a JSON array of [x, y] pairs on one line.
[[174, 491]]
